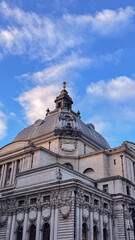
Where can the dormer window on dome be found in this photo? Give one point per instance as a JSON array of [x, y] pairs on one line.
[[64, 100]]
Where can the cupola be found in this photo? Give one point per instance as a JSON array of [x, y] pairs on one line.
[[63, 100]]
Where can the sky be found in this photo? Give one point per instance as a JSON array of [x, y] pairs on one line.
[[90, 44]]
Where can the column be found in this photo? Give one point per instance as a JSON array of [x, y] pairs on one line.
[[77, 222], [14, 173], [110, 226], [101, 226], [8, 227], [56, 223], [25, 225], [38, 224], [21, 165], [52, 225], [13, 227], [29, 162], [80, 223], [91, 224], [4, 175]]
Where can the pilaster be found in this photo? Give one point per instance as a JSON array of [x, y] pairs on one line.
[[12, 237], [25, 225], [8, 227]]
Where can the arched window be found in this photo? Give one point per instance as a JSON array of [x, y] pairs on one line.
[[104, 234], [68, 165], [19, 233], [32, 232], [95, 233], [88, 170], [84, 231], [46, 231]]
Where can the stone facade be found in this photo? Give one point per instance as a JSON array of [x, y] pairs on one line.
[[60, 180]]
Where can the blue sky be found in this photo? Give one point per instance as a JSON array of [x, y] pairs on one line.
[[89, 44]]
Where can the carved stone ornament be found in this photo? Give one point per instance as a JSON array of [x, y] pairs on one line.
[[105, 219], [96, 216], [85, 213], [65, 210], [46, 213], [20, 216], [68, 145], [58, 174], [33, 214], [3, 219]]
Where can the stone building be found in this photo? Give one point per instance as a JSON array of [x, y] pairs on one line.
[[60, 180]]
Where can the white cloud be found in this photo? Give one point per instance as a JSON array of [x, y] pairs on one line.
[[104, 22], [120, 88], [111, 57], [3, 125], [35, 35], [48, 38], [60, 71], [36, 101]]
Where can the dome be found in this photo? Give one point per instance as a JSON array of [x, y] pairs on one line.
[[63, 122]]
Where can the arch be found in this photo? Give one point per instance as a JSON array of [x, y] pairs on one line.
[[19, 233], [105, 234], [32, 235], [68, 165], [95, 233], [84, 231], [46, 231], [88, 170]]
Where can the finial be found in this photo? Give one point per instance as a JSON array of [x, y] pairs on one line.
[[79, 115], [64, 85], [47, 111]]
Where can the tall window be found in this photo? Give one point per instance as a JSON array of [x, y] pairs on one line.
[[32, 232], [105, 188], [19, 233], [95, 233], [18, 166], [104, 234], [0, 171], [84, 231], [84, 148], [128, 190], [46, 231], [8, 174]]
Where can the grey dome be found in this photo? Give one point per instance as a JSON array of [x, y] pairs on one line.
[[57, 123], [63, 122]]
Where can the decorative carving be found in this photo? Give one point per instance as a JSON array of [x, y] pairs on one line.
[[105, 219], [20, 216], [85, 213], [58, 174], [96, 216], [46, 213], [67, 131], [3, 219], [65, 210], [65, 195], [68, 145], [33, 214]]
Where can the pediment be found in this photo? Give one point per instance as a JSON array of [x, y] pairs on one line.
[[131, 146], [13, 147]]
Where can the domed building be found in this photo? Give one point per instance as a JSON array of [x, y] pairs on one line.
[[60, 180]]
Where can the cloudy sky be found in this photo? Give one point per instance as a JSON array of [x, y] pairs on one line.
[[90, 44]]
